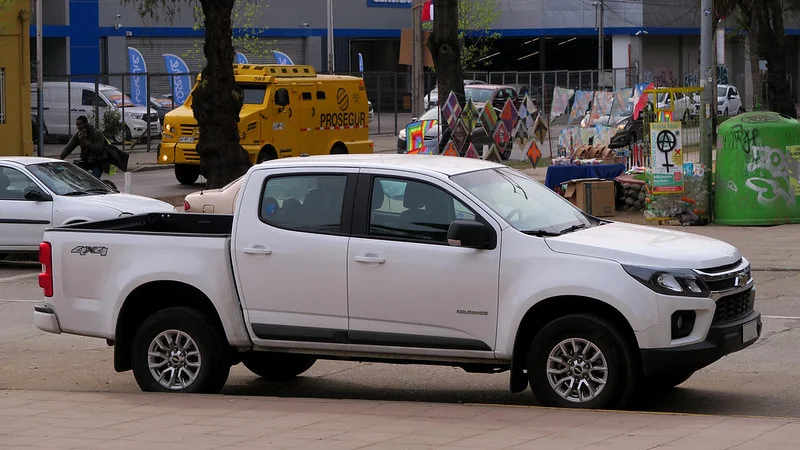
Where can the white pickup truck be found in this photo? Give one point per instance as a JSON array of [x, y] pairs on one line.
[[400, 259]]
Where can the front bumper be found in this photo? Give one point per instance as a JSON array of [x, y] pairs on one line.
[[722, 339], [44, 317]]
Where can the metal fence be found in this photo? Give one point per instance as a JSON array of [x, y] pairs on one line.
[[389, 93]]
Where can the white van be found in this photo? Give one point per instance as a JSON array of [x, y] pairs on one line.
[[63, 102]]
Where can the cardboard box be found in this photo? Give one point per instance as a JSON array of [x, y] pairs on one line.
[[594, 196]]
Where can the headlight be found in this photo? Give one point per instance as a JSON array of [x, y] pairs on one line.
[[670, 281], [720, 102], [169, 128], [137, 116], [125, 214]]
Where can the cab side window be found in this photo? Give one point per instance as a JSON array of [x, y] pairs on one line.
[[88, 98], [413, 210], [13, 184], [309, 202]]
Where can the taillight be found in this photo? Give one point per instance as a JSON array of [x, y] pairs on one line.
[[186, 205], [46, 277]]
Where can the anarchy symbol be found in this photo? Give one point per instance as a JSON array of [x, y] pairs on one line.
[[666, 142]]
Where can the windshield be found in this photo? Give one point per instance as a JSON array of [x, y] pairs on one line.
[[526, 205], [431, 114], [67, 179], [721, 91], [117, 98], [478, 95], [252, 94]]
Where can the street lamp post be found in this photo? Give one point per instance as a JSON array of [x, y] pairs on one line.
[[331, 64], [39, 87]]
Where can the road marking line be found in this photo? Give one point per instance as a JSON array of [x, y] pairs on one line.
[[781, 317], [4, 300], [19, 277]]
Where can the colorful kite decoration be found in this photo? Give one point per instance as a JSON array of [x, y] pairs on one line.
[[533, 154], [471, 152], [540, 129], [460, 134], [521, 134], [451, 110], [509, 115], [489, 119], [493, 154], [470, 116], [501, 135], [450, 149], [415, 135]]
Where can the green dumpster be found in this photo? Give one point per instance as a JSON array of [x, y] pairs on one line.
[[757, 171]]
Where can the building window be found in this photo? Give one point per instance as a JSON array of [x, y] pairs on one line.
[[2, 95]]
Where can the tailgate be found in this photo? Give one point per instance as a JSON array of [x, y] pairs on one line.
[[94, 272]]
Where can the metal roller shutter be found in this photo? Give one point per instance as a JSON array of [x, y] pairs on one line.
[[191, 50]]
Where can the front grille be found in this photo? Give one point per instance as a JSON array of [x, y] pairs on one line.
[[721, 285], [153, 117], [720, 269], [734, 306], [191, 156], [188, 130]]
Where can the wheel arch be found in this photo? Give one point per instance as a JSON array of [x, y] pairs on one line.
[[146, 300], [267, 149], [545, 311]]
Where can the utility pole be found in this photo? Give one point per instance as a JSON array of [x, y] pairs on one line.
[[708, 98], [39, 86], [417, 70], [600, 36], [331, 62]]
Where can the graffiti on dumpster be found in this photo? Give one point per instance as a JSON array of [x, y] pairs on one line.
[[744, 138], [764, 117], [774, 169]]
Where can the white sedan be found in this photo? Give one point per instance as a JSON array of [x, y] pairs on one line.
[[38, 193], [214, 201]]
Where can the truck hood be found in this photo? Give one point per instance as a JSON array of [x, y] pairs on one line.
[[646, 246], [128, 203]]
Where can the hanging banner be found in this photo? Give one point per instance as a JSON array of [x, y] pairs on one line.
[[240, 58], [666, 157], [282, 58], [181, 85], [138, 82]]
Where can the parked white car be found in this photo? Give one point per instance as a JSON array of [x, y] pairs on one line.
[[37, 193], [728, 100], [432, 98], [683, 109], [214, 201], [64, 102], [386, 258]]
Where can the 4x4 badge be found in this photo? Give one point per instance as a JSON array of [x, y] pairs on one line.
[[83, 250]]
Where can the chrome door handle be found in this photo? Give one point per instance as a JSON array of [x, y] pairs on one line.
[[370, 260], [257, 251]]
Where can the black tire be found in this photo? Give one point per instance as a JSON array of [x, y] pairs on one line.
[[277, 366], [725, 113], [266, 154], [110, 184], [664, 383], [685, 117], [214, 366], [187, 174], [620, 376], [128, 135], [339, 149], [741, 110], [3, 256]]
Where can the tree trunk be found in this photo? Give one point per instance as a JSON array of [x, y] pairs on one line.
[[772, 47], [215, 103], [445, 50]]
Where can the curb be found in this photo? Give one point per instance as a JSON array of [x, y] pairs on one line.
[[151, 168]]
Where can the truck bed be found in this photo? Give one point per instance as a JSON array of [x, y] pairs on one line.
[[161, 223]]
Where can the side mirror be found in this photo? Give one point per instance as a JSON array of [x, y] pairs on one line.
[[414, 119], [35, 195], [470, 234], [282, 97]]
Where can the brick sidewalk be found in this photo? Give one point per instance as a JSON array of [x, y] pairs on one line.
[[154, 421]]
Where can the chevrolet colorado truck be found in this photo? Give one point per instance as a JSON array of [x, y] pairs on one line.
[[400, 259]]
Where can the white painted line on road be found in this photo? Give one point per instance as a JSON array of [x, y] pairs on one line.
[[4, 300], [19, 277], [781, 317]]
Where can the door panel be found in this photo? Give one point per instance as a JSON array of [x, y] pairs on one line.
[[291, 257], [22, 222], [407, 287]]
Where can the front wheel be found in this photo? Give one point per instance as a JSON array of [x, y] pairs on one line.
[[581, 361], [187, 174], [277, 366], [177, 350]]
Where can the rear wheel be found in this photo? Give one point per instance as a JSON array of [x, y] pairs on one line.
[[581, 361], [277, 366], [266, 154], [187, 173], [178, 350], [685, 117], [339, 149]]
